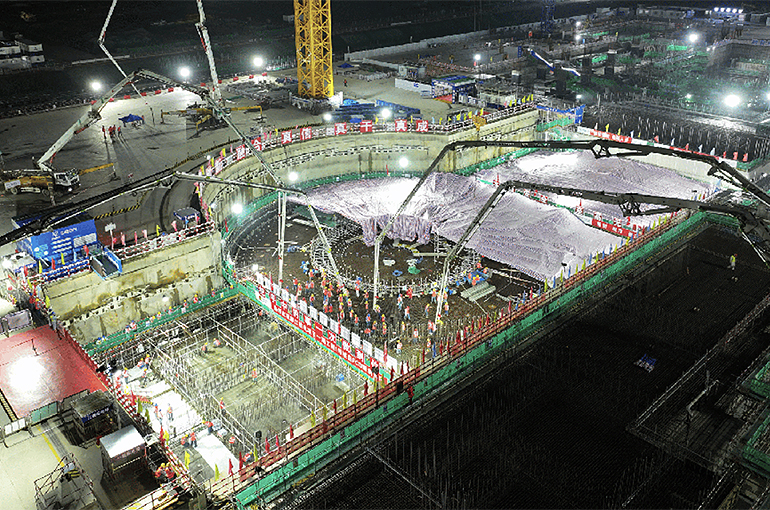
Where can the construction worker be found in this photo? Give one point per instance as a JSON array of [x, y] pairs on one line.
[[398, 347], [732, 261], [205, 348], [160, 472], [193, 439], [170, 413], [170, 474]]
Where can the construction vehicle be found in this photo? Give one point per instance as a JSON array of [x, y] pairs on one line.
[[33, 181]]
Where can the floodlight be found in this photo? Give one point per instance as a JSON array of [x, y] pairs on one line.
[[96, 85], [236, 208], [476, 57], [688, 96], [258, 61], [184, 72], [693, 37], [293, 176], [732, 101], [403, 162], [386, 113], [327, 117]]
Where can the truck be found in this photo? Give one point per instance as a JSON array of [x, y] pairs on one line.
[[36, 181]]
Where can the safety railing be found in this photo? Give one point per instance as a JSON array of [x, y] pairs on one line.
[[163, 241], [106, 343]]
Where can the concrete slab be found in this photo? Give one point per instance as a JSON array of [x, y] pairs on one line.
[[212, 450]]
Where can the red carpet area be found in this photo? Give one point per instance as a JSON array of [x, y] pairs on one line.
[[37, 368]]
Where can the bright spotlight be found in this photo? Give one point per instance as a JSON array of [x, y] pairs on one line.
[[579, 97], [693, 38], [688, 96], [476, 57], [165, 299], [236, 208], [327, 117], [403, 162], [577, 37], [578, 23], [258, 61], [732, 101], [386, 113], [293, 176], [96, 85], [184, 72]]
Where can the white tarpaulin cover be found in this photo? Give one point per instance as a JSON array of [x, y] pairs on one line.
[[520, 232]]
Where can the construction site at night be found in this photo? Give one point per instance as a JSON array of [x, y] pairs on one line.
[[516, 266]]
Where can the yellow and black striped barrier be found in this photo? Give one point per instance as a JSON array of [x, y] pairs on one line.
[[123, 210]]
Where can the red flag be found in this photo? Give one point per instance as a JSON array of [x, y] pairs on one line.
[[53, 263], [240, 461], [735, 155], [230, 467], [724, 155], [161, 434], [123, 239], [687, 146], [277, 444], [86, 247], [657, 140], [745, 157], [291, 431], [226, 230], [136, 238], [267, 446]]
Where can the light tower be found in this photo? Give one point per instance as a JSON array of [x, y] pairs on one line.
[[313, 34]]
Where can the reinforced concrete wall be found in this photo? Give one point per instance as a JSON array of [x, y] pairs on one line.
[[90, 307], [365, 153]]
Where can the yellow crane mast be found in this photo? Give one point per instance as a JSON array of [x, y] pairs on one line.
[[313, 37]]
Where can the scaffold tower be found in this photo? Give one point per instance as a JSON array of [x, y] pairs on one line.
[[313, 34], [546, 21]]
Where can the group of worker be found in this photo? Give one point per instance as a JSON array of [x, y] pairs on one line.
[[113, 132], [216, 343], [189, 439], [165, 473]]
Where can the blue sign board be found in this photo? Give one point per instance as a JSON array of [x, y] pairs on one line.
[[62, 240]]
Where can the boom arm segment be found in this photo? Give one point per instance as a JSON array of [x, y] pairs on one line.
[[204, 35], [91, 116]]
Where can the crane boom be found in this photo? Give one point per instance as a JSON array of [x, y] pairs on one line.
[[206, 42], [103, 34]]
